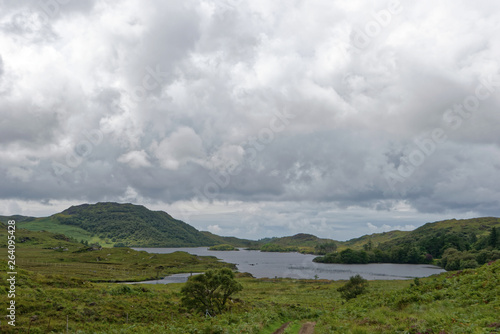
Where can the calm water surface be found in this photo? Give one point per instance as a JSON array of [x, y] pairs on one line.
[[296, 265]]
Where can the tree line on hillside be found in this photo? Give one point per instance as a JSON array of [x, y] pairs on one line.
[[452, 251]]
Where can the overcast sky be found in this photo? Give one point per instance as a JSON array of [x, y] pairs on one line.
[[253, 118]]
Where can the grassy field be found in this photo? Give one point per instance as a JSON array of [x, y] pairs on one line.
[[49, 253], [56, 288], [112, 264], [51, 225], [465, 302]]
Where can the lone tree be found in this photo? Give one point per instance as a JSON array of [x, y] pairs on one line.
[[209, 292], [356, 286]]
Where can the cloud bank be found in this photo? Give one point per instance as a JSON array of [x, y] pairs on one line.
[[257, 117]]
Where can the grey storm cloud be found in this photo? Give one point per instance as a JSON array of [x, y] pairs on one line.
[[355, 111]]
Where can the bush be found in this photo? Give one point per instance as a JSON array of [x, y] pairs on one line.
[[121, 290], [209, 292], [357, 285]]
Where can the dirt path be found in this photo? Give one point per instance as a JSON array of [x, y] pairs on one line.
[[307, 328], [281, 329]]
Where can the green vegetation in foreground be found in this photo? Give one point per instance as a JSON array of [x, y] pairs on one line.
[[223, 247], [454, 302], [209, 292], [58, 279], [355, 286]]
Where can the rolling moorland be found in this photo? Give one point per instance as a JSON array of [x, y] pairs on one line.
[[62, 283], [66, 279]]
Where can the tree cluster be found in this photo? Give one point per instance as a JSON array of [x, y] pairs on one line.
[[325, 248], [456, 251]]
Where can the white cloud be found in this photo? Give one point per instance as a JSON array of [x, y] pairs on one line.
[[182, 146], [135, 159], [131, 196], [408, 227], [386, 227], [214, 229], [188, 89]]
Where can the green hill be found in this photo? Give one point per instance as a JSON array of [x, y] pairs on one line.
[[436, 237], [17, 218], [233, 241], [457, 244], [302, 242], [299, 240], [375, 239], [113, 224]]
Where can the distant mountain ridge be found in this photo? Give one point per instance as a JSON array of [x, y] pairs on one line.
[[236, 242], [115, 224]]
